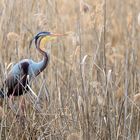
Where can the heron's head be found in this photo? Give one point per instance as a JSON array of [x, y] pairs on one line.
[[44, 37]]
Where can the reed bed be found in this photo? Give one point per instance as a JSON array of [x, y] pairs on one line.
[[90, 89]]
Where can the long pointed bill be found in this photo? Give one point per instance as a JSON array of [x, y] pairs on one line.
[[57, 35]]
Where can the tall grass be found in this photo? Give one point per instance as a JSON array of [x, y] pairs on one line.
[[92, 80]]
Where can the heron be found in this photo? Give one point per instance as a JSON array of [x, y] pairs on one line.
[[17, 78]]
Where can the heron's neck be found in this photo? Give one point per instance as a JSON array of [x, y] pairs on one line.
[[43, 63]]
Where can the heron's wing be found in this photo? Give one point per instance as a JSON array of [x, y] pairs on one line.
[[16, 83], [10, 81], [20, 86], [17, 73]]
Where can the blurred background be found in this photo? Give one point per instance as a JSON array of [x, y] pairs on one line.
[[93, 74]]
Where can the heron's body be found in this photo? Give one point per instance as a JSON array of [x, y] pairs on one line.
[[32, 68], [16, 81]]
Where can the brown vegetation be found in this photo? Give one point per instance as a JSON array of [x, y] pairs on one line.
[[93, 75]]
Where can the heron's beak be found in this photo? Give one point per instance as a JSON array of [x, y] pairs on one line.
[[57, 35]]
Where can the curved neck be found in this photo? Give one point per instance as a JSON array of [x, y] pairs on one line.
[[45, 60]]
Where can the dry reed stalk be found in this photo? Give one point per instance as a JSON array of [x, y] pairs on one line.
[[103, 32], [139, 19]]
